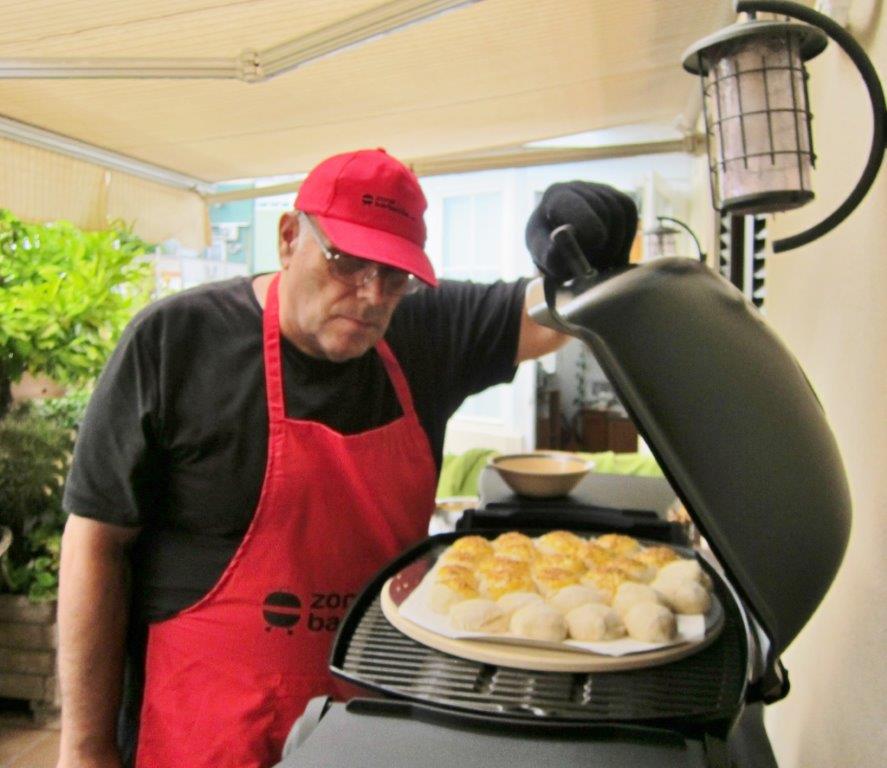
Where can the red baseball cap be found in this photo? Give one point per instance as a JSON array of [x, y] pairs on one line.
[[370, 205]]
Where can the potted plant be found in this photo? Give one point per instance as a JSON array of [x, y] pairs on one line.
[[65, 296]]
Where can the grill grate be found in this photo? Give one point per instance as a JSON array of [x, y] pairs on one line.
[[709, 684]]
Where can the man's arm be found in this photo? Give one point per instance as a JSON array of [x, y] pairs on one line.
[[92, 618], [536, 340]]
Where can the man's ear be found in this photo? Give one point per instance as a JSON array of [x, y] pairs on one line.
[[287, 234]]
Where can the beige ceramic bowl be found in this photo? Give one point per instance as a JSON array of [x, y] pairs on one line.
[[541, 475]]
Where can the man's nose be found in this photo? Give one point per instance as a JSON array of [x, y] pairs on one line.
[[372, 291]]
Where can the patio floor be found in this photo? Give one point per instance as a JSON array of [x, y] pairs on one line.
[[26, 744]]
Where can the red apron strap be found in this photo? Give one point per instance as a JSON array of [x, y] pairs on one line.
[[273, 367], [395, 373]]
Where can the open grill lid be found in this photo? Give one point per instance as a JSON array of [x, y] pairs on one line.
[[733, 422]]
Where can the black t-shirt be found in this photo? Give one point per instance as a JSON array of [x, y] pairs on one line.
[[175, 436]]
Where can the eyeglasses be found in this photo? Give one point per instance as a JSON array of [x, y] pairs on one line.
[[358, 272]]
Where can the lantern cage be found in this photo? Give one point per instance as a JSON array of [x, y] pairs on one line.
[[757, 114]]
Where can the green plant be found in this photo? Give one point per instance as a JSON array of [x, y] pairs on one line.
[[36, 441], [65, 296]]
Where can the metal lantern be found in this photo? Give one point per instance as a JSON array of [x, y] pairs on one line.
[[662, 240], [757, 114]]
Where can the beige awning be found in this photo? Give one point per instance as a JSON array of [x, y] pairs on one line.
[[483, 78]]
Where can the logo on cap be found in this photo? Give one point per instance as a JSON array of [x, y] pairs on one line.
[[388, 203]]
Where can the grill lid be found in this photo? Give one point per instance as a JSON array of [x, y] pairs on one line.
[[732, 420]]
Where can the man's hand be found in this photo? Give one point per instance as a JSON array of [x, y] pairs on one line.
[[605, 221]]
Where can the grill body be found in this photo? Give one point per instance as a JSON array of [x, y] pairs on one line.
[[678, 714]]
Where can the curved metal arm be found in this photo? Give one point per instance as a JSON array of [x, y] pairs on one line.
[[879, 111], [699, 252]]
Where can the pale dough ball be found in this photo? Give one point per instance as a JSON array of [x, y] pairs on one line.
[[514, 600], [687, 597], [683, 570], [631, 593], [650, 622], [478, 615], [442, 597], [568, 598], [594, 621], [538, 621]]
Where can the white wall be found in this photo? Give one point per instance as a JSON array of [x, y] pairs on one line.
[[828, 300]]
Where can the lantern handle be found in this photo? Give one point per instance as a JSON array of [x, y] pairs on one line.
[[879, 111]]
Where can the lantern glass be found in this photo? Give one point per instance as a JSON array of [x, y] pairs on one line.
[[660, 243], [758, 120]]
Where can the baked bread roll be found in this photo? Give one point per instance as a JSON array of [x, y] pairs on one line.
[[497, 563], [452, 584], [498, 583], [478, 615], [454, 571], [656, 556], [605, 581], [630, 594], [476, 546], [566, 562], [633, 569], [514, 600], [594, 621], [618, 543], [465, 559], [559, 543], [515, 549], [551, 579], [511, 538], [686, 597], [538, 621], [649, 622], [596, 557], [574, 595]]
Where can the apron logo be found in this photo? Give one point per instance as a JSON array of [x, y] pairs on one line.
[[281, 609]]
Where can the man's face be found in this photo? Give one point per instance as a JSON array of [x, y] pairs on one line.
[[322, 316]]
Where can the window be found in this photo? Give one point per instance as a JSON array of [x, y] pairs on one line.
[[472, 237]]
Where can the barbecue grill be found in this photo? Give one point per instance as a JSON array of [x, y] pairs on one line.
[[743, 440]]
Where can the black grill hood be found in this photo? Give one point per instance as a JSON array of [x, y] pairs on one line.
[[732, 421]]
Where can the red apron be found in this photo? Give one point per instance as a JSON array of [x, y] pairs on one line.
[[226, 678]]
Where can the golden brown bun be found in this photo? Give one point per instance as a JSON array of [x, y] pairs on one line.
[[656, 556], [559, 543], [618, 543]]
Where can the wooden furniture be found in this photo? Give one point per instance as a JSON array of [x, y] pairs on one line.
[[604, 431]]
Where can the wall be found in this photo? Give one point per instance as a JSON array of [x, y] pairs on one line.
[[39, 185], [829, 303]]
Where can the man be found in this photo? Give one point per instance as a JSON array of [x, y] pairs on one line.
[[256, 449]]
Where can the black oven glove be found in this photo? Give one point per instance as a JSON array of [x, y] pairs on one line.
[[604, 219]]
